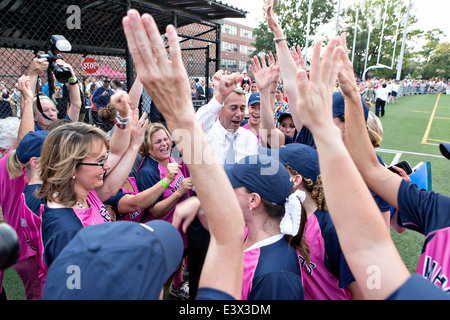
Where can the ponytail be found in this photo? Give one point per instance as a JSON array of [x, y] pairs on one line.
[[13, 165]]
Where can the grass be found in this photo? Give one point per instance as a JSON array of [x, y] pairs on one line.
[[405, 126], [405, 129]]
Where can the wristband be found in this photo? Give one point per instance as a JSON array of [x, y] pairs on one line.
[[121, 125], [73, 80], [164, 183], [277, 40]]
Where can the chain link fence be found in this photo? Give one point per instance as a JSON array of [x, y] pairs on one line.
[[94, 30]]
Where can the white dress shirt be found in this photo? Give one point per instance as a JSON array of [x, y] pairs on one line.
[[245, 143]]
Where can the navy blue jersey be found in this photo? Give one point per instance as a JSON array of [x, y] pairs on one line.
[[428, 212], [272, 272]]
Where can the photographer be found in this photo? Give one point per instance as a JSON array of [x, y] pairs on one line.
[[48, 113]]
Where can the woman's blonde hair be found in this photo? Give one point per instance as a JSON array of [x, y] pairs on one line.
[[63, 149], [314, 187], [375, 129], [147, 145], [13, 165]]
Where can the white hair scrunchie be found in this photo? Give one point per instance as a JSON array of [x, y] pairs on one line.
[[291, 221]]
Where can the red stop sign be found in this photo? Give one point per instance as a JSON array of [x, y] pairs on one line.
[[89, 65]]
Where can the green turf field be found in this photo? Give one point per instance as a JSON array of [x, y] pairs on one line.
[[413, 129]]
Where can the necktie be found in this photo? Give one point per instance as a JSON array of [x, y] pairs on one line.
[[229, 158]]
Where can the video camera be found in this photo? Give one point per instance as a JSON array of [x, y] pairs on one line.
[[58, 44], [9, 246]]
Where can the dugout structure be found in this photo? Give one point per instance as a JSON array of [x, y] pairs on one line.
[[27, 26]]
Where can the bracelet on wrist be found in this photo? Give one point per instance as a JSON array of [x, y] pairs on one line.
[[121, 125], [121, 120], [277, 40], [164, 183], [73, 80]]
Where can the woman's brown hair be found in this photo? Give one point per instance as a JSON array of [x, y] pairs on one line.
[[63, 149]]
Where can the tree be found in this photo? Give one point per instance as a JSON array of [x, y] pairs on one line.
[[371, 18], [292, 16], [439, 62]]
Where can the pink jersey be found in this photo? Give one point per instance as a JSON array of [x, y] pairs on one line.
[[320, 282], [13, 205]]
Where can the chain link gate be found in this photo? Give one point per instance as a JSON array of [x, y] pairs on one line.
[[27, 27]]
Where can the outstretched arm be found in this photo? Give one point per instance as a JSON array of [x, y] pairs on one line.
[[378, 178], [26, 105], [364, 239], [266, 78], [167, 83], [288, 67]]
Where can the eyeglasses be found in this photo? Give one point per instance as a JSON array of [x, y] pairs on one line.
[[100, 164]]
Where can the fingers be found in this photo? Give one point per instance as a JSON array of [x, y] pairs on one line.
[[130, 31], [315, 63]]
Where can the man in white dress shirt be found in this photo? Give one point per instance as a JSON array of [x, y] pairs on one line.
[[221, 119]]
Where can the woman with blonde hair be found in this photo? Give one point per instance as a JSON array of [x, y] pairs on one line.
[[23, 146], [156, 167], [327, 276]]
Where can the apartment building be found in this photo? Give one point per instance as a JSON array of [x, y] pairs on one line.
[[236, 42]]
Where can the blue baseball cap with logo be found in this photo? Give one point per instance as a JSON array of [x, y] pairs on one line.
[[31, 144], [254, 98], [263, 174], [339, 105], [120, 260], [302, 158]]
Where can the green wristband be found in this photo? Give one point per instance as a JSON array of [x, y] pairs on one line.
[[164, 183]]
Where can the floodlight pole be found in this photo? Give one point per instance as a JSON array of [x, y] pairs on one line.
[[354, 36], [367, 51], [400, 60], [382, 32], [307, 31], [337, 18]]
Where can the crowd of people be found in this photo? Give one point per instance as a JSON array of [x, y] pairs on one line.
[[271, 194]]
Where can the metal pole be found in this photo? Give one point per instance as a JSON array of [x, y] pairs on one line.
[[354, 37], [382, 32], [367, 52], [395, 45], [400, 61], [307, 30], [337, 18]]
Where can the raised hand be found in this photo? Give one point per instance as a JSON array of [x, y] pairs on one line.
[[266, 76], [165, 80], [314, 95], [272, 21], [121, 101], [24, 87], [224, 84]]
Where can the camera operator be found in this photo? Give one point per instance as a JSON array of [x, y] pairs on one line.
[[49, 110]]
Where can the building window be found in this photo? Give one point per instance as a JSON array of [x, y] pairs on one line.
[[243, 49], [246, 34], [228, 63], [228, 46], [242, 65], [229, 29]]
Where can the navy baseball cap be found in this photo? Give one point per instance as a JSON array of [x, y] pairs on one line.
[[254, 98], [284, 115], [445, 149], [262, 174], [302, 158], [120, 260], [339, 105], [31, 145]]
